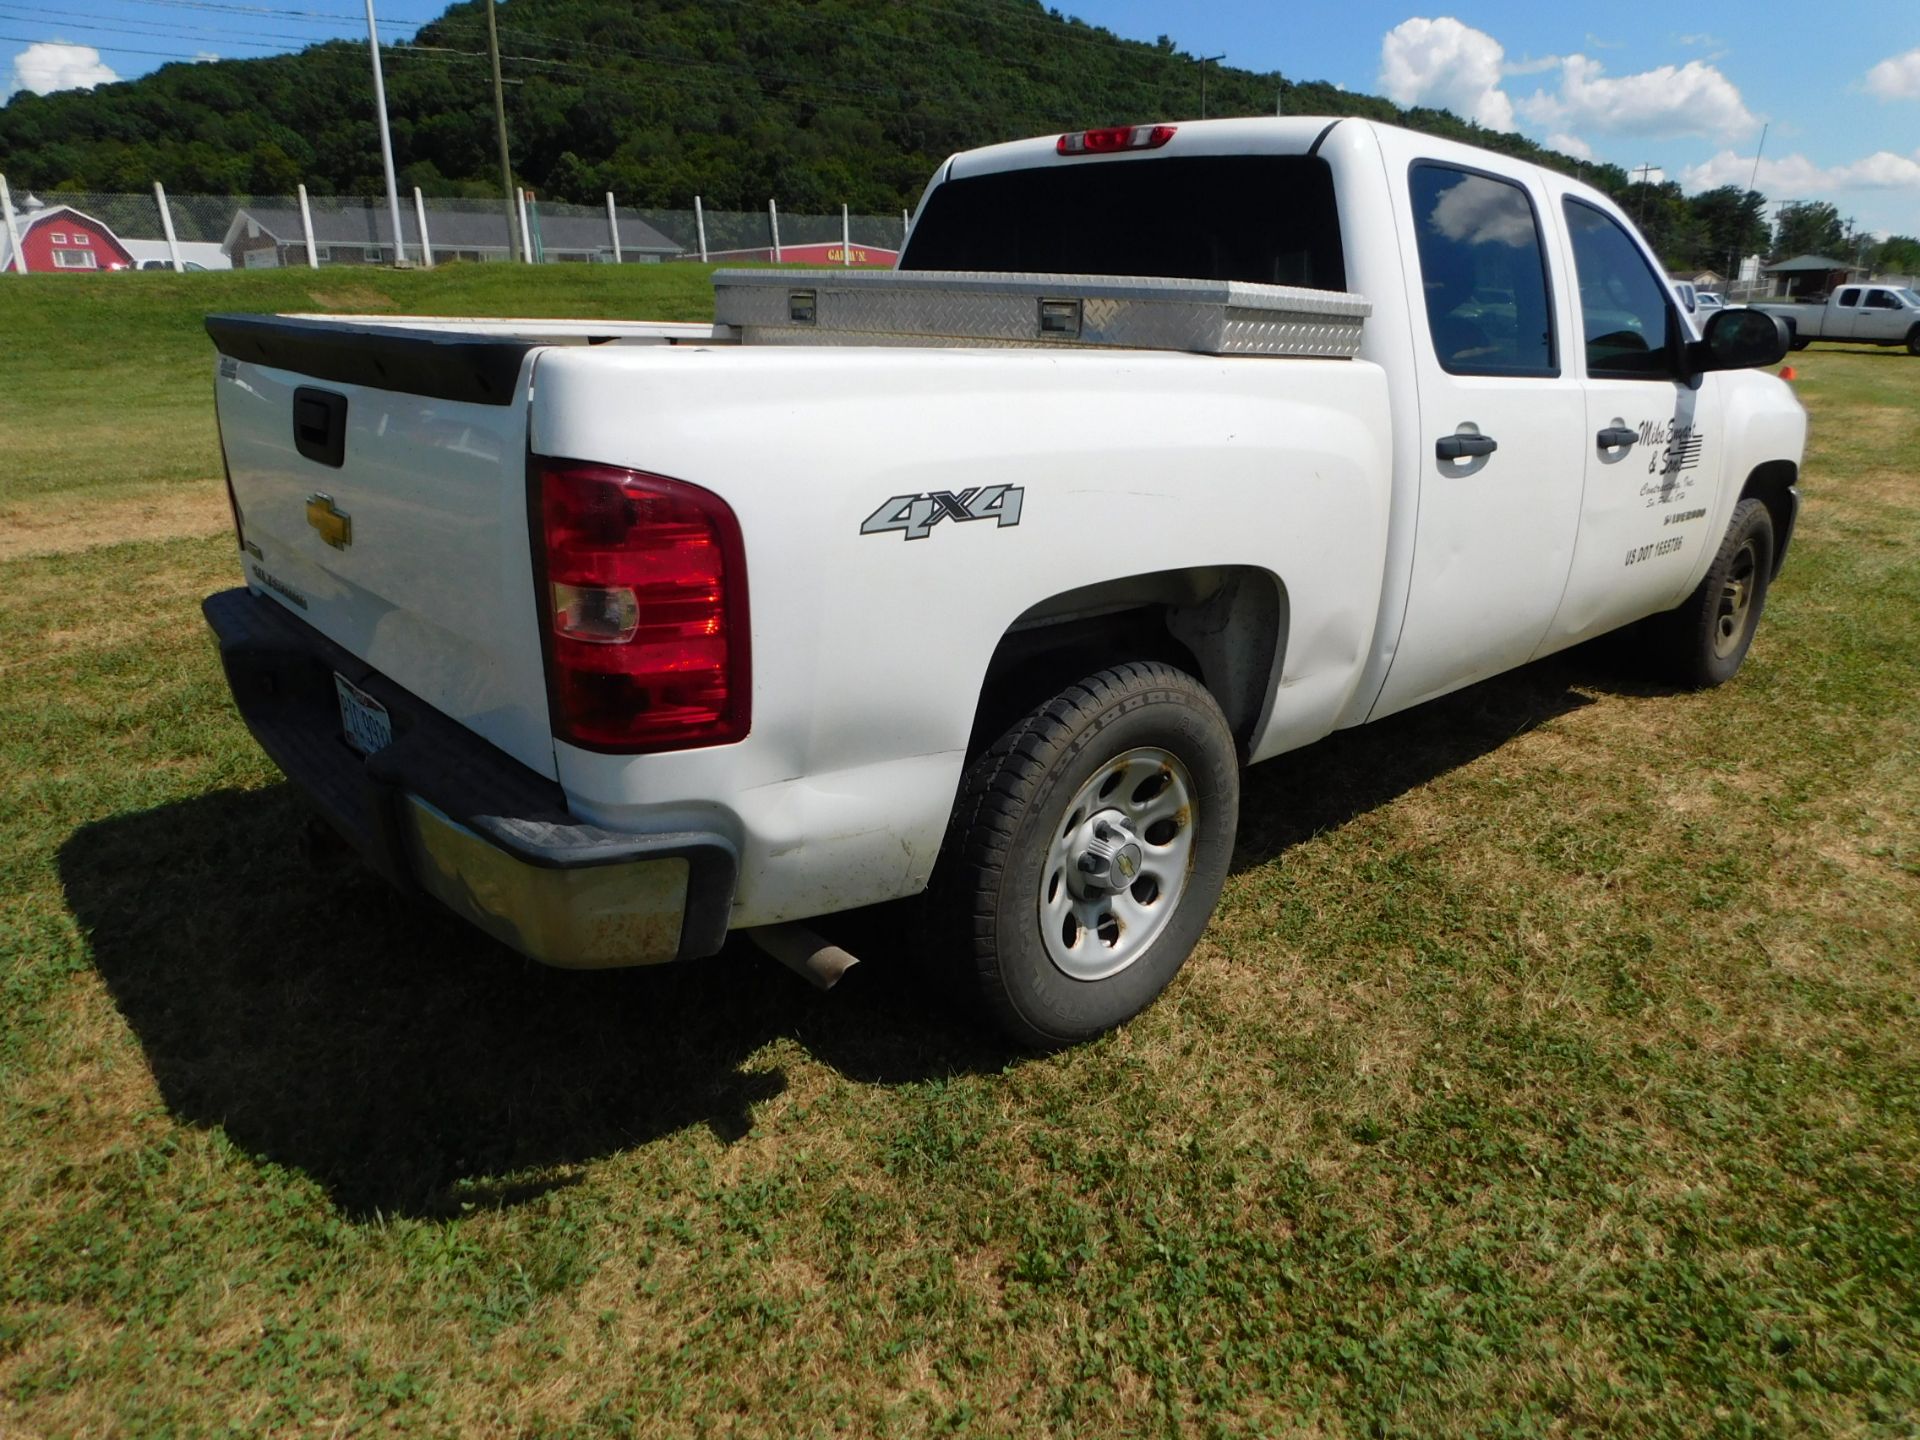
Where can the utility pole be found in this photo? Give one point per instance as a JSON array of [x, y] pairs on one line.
[[1645, 172], [386, 142], [500, 124], [1733, 260], [1205, 60]]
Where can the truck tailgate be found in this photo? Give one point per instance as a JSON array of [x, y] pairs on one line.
[[381, 483]]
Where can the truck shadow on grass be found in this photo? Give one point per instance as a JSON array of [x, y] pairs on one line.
[[411, 1066]]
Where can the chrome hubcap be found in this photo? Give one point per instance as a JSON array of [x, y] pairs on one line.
[[1736, 599], [1119, 864]]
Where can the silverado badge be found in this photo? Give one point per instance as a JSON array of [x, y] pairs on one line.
[[331, 523]]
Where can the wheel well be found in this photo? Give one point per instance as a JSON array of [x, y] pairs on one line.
[[1772, 485], [1226, 625]]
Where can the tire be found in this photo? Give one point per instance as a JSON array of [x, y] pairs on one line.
[[1705, 640], [1913, 341], [1034, 848]]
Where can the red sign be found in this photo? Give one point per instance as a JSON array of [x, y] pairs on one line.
[[833, 254]]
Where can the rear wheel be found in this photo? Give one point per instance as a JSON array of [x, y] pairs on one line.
[[1704, 641], [1913, 341], [1087, 852]]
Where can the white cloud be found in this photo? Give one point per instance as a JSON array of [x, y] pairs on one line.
[[205, 57], [1531, 67], [1796, 177], [1444, 63], [1570, 145], [55, 65], [1702, 39], [1897, 78], [1690, 99]]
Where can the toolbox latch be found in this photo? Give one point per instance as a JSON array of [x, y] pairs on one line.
[[1060, 317]]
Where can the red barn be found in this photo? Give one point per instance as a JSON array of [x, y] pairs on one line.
[[62, 238]]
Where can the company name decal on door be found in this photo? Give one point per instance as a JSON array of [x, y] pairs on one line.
[[1672, 450]]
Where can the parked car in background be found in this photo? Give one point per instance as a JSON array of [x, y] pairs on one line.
[[168, 265], [1856, 314], [984, 578], [1705, 302]]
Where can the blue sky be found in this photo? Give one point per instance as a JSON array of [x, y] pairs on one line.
[[1685, 88]]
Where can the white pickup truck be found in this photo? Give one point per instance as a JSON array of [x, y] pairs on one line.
[[1855, 314], [618, 637]]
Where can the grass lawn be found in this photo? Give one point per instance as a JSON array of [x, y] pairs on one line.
[[1552, 1068]]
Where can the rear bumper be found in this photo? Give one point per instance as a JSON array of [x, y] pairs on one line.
[[441, 811]]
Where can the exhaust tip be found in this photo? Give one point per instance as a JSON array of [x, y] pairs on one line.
[[809, 955]]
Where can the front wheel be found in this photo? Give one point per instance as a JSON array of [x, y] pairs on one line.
[[1913, 341], [1704, 641], [1087, 852]]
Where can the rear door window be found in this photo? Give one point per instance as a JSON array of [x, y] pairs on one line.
[[1849, 298], [1626, 310], [1484, 273]]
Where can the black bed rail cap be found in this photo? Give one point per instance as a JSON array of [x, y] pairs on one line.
[[441, 365]]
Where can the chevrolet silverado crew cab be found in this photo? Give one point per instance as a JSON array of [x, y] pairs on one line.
[[1854, 315], [1167, 449]]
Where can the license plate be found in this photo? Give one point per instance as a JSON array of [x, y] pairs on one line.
[[363, 720]]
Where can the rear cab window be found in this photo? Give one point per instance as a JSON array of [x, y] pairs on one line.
[[1264, 219]]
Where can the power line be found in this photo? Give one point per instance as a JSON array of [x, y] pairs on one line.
[[273, 12], [25, 12]]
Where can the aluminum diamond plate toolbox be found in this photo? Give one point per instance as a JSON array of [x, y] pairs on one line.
[[960, 307]]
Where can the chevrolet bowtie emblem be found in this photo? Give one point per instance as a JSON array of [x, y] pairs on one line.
[[329, 522]]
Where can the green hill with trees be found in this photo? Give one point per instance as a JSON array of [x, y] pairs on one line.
[[818, 104]]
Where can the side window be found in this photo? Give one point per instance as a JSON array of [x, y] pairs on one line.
[[1848, 299], [1625, 312], [1881, 300], [1484, 272]]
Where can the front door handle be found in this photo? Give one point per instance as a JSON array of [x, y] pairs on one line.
[[1616, 437], [1460, 447]]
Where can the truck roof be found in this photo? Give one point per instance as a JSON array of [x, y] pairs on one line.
[[1240, 135]]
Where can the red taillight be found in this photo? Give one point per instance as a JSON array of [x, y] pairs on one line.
[[1114, 139], [645, 604]]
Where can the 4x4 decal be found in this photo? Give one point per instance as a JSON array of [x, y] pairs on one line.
[[916, 515]]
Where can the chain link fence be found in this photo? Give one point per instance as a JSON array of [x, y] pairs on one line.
[[87, 230]]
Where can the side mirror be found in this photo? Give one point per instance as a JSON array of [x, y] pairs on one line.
[[1741, 340]]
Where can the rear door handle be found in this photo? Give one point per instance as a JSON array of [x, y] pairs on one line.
[[1460, 447], [1616, 437]]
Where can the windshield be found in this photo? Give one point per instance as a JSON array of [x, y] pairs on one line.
[[1910, 297], [1264, 218]]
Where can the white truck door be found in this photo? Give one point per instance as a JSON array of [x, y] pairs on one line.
[[1652, 440], [1843, 316], [1501, 420], [1881, 318]]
